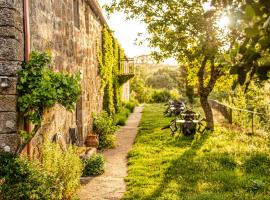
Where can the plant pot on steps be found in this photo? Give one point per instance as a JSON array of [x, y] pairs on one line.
[[92, 141]]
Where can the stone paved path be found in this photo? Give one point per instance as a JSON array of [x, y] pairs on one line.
[[111, 184]]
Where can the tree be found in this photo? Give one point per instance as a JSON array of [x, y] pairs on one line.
[[252, 27], [164, 78], [185, 30]]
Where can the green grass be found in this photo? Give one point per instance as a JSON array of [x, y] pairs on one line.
[[224, 165]]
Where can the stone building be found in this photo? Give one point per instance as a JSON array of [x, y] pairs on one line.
[[70, 29]]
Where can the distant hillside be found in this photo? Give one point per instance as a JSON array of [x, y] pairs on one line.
[[149, 65]]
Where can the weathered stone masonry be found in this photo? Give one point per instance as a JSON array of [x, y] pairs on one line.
[[71, 30], [11, 56]]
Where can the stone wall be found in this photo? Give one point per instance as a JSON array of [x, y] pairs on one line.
[[72, 36], [11, 56], [71, 30]]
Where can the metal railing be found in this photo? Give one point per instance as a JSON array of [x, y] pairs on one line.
[[241, 117]]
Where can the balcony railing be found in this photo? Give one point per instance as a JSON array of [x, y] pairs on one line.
[[126, 70], [126, 66]]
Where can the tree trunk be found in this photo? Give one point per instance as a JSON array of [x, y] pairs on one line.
[[207, 111], [204, 91]]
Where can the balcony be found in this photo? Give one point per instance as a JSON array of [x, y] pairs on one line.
[[126, 70]]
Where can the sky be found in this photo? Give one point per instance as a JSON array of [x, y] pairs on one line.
[[126, 33]]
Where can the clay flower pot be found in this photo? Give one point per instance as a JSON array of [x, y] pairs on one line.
[[92, 141]]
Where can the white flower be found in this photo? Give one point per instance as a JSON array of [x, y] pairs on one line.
[[7, 148]]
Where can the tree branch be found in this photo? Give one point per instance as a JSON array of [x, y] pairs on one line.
[[23, 144]]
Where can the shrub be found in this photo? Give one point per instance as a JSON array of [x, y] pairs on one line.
[[142, 93], [105, 127], [120, 121], [21, 179], [66, 167], [160, 96], [131, 104], [93, 165], [121, 117]]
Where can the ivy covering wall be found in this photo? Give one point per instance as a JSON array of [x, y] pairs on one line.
[[111, 66]]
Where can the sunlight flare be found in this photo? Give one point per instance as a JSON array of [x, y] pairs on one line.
[[223, 22]]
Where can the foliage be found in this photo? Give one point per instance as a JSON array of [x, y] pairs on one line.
[[164, 78], [106, 70], [40, 88], [65, 167], [116, 85], [93, 165], [212, 167], [110, 69], [256, 99], [128, 107], [142, 93], [105, 128], [57, 176], [121, 117], [160, 96], [251, 24], [131, 104], [21, 179]]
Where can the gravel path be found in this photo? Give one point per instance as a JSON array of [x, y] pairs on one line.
[[111, 184]]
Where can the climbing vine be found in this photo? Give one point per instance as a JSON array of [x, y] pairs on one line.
[[116, 86], [41, 88], [106, 70], [110, 58]]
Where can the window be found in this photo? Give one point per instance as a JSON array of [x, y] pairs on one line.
[[76, 13]]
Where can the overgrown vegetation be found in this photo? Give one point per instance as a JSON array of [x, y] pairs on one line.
[[159, 96], [256, 99], [65, 166], [93, 165], [226, 164], [121, 117], [56, 176], [105, 128], [40, 88], [105, 125], [111, 59], [128, 107]]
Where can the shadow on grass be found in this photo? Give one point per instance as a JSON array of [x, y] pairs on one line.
[[186, 160], [215, 171]]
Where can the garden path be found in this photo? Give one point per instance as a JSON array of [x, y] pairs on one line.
[[111, 184]]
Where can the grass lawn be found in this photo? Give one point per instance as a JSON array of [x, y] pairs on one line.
[[226, 164]]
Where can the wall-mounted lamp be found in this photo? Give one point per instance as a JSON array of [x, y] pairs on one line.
[[4, 82], [81, 74]]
